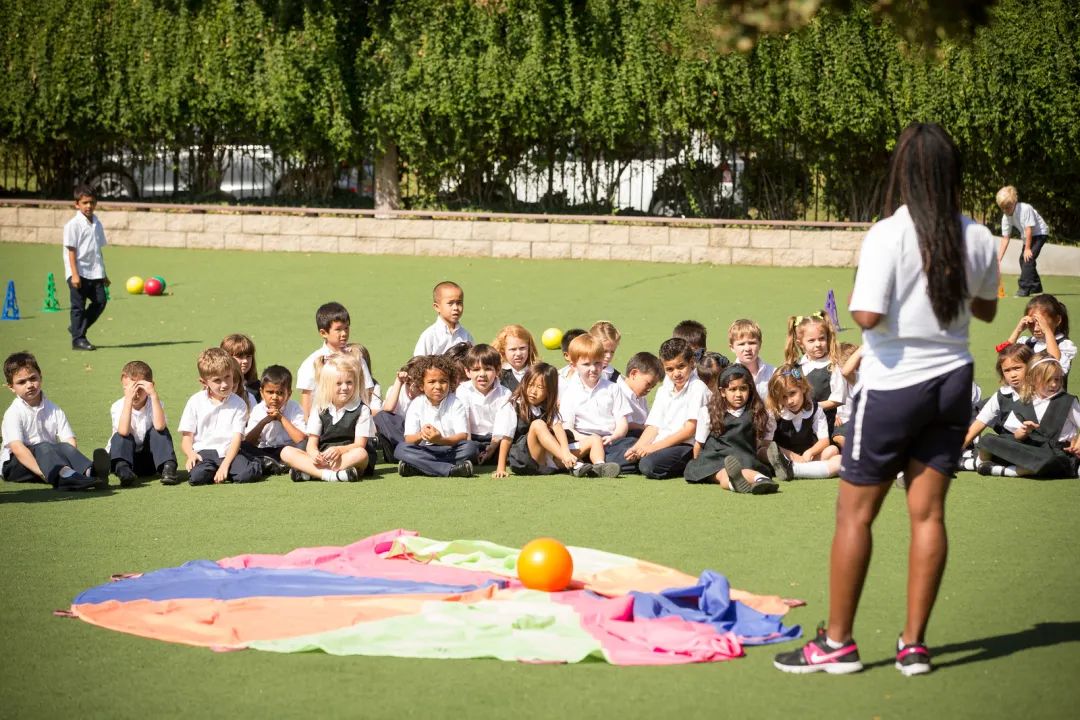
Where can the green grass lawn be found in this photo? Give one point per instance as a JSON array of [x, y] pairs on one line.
[[1005, 633]]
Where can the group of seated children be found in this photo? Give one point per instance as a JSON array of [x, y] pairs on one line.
[[456, 406]]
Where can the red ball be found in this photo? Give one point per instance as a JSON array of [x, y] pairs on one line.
[[545, 564], [153, 286]]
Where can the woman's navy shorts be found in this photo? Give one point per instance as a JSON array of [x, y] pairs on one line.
[[925, 422]]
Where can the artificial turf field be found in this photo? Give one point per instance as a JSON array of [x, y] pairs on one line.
[[1005, 633]]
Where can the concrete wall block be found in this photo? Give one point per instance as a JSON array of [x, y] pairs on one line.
[[470, 248], [184, 222], [590, 251], [18, 234], [530, 232], [110, 219], [846, 239], [302, 225], [357, 246], [395, 246], [833, 258], [223, 223], [511, 249], [609, 235], [281, 243], [793, 257], [711, 255], [729, 237], [649, 235], [331, 225], [568, 233], [689, 236], [127, 238], [413, 228], [44, 217], [165, 239], [243, 241], [751, 256], [670, 254], [9, 216], [206, 241], [770, 238], [452, 229], [374, 228], [145, 220], [433, 248], [631, 253], [319, 243], [551, 250], [809, 239], [491, 230], [262, 224]]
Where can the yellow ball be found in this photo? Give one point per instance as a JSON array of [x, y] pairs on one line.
[[134, 285], [552, 338]]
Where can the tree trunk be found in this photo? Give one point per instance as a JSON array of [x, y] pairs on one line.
[[387, 188]]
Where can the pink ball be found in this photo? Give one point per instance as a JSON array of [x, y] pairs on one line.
[[153, 286]]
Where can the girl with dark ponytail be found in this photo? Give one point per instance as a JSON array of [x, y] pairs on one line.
[[924, 272]]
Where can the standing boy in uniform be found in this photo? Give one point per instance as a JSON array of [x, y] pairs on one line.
[[84, 267]]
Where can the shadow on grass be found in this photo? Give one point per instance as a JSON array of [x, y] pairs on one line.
[[45, 493], [150, 344], [999, 646]]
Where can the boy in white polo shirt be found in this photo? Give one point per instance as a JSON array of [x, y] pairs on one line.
[[84, 267], [593, 409], [334, 325], [643, 372], [744, 339], [38, 442], [437, 440], [448, 299], [275, 423], [1034, 232], [213, 425], [666, 444], [483, 395], [140, 445]]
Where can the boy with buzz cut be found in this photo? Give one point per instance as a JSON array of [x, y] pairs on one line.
[[275, 423], [332, 321], [38, 442], [84, 267], [744, 337], [448, 299], [483, 395], [594, 412], [666, 444], [141, 445], [213, 425], [643, 372]]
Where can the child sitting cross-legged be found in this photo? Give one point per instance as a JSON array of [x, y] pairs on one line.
[[801, 445], [593, 410], [140, 445], [643, 372], [275, 423], [338, 427], [437, 440], [533, 440], [483, 396]]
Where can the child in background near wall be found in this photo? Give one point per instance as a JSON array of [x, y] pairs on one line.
[[610, 337], [1012, 365], [518, 350], [812, 345], [84, 267], [801, 446], [275, 423], [242, 350], [437, 440], [1046, 321], [338, 428], [1034, 232], [448, 299], [744, 339], [732, 432], [533, 439], [140, 445], [1042, 433], [643, 372]]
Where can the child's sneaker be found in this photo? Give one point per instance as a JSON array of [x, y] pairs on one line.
[[299, 476], [606, 470], [581, 469], [781, 463], [764, 486], [816, 656], [735, 476], [351, 475], [913, 659]]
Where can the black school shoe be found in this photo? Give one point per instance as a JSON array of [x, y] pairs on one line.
[[168, 474], [82, 344], [102, 464], [126, 474], [913, 659], [464, 469], [781, 463], [270, 466], [734, 475], [817, 656]]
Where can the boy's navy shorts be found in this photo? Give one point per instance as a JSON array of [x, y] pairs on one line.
[[925, 422]]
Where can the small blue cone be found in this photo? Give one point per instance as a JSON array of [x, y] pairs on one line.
[[831, 311], [11, 305]]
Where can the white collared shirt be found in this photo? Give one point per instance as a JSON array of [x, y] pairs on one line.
[[1066, 347], [365, 427], [213, 425], [1068, 429], [815, 415], [439, 338], [837, 384], [33, 424], [87, 238], [639, 406], [142, 419], [1024, 216], [273, 433], [704, 426], [595, 410], [762, 377], [305, 376], [450, 416], [482, 409], [672, 409], [992, 409]]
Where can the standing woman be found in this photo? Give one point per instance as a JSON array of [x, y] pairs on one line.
[[924, 271]]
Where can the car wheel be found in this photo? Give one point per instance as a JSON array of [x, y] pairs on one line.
[[111, 181]]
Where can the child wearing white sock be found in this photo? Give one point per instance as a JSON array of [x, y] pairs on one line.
[[801, 445]]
